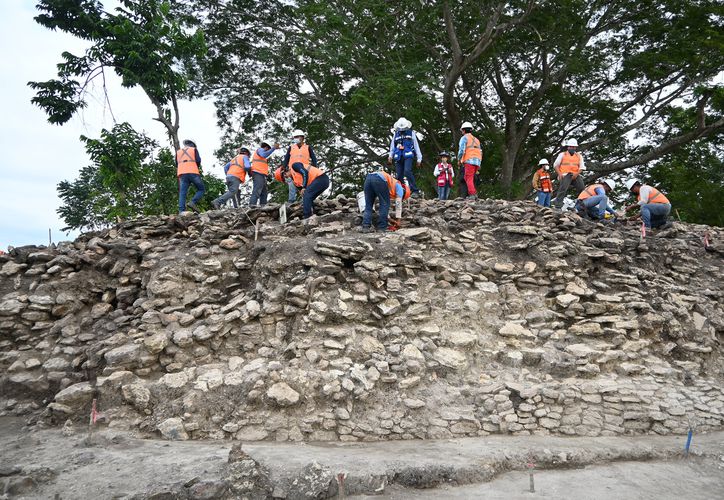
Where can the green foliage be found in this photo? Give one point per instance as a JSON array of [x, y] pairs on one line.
[[142, 42], [527, 74], [129, 177]]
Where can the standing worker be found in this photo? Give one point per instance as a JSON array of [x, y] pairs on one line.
[[403, 150], [444, 173], [236, 173], [382, 186], [188, 165], [568, 164], [542, 183], [655, 207], [593, 200], [313, 183], [259, 172], [298, 152], [470, 157]]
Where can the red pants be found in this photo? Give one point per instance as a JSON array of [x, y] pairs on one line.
[[470, 171]]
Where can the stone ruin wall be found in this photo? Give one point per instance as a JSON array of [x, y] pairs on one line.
[[475, 318]]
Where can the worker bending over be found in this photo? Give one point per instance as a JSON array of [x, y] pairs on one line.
[[593, 201], [655, 207], [385, 188]]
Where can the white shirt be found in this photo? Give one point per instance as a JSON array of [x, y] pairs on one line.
[[644, 194], [437, 171], [559, 158]]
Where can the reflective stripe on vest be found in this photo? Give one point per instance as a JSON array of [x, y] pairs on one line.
[[186, 159], [445, 176], [312, 174], [472, 149], [570, 164], [237, 168], [655, 196], [299, 155], [545, 181], [259, 164], [392, 186], [590, 191], [296, 176], [404, 144]]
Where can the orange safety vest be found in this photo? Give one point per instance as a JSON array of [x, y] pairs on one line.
[[296, 176], [299, 155], [589, 191], [312, 174], [656, 196], [259, 164], [472, 149], [570, 163], [237, 168], [392, 186], [186, 160], [544, 178]]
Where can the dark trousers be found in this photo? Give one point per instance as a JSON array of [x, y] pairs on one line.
[[185, 180], [376, 188], [260, 190], [232, 191], [564, 185], [312, 191], [404, 169]]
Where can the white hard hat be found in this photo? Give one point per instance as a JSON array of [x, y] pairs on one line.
[[543, 161], [466, 125], [297, 133], [268, 142], [408, 124], [610, 183], [570, 142], [401, 124], [630, 183]]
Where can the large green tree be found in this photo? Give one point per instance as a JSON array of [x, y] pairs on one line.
[[526, 73], [145, 42], [129, 176]]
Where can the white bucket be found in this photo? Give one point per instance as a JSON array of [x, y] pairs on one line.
[[361, 201]]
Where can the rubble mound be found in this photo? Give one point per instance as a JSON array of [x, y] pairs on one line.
[[475, 318]]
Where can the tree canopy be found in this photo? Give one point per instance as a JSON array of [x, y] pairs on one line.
[[129, 176], [615, 74], [143, 42]]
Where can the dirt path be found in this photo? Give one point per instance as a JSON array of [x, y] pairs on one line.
[[696, 479], [45, 463]]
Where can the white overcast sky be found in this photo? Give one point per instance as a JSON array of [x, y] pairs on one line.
[[38, 155]]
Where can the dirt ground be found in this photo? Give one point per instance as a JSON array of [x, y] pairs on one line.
[[49, 464]]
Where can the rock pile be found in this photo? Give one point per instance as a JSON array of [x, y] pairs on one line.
[[475, 318]]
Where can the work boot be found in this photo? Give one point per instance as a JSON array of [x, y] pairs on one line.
[[216, 205], [472, 197], [366, 229], [193, 207]]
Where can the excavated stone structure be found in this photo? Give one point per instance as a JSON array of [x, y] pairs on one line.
[[475, 318]]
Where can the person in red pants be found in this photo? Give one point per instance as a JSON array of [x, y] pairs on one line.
[[470, 156]]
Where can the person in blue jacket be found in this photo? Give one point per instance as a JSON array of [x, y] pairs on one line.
[[404, 148]]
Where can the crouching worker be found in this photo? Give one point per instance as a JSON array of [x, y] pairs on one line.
[[593, 201], [313, 183], [236, 173], [655, 207], [291, 179], [382, 186]]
